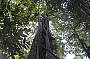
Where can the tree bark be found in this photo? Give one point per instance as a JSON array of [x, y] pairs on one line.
[[42, 43]]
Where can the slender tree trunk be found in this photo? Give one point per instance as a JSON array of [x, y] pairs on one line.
[[42, 44]]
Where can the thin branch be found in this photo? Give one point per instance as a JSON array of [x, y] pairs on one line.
[[83, 44]]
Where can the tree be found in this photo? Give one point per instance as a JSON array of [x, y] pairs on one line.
[[42, 47], [69, 21]]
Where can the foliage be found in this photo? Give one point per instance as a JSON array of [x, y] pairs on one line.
[[14, 17], [18, 21]]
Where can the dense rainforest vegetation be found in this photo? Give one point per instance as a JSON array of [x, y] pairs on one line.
[[44, 29]]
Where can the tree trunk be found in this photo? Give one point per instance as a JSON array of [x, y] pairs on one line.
[[42, 44]]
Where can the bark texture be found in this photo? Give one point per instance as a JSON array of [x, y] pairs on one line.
[[42, 45]]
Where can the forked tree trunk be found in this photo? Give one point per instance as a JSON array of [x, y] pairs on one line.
[[42, 44]]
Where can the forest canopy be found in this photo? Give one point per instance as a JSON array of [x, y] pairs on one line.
[[62, 24]]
